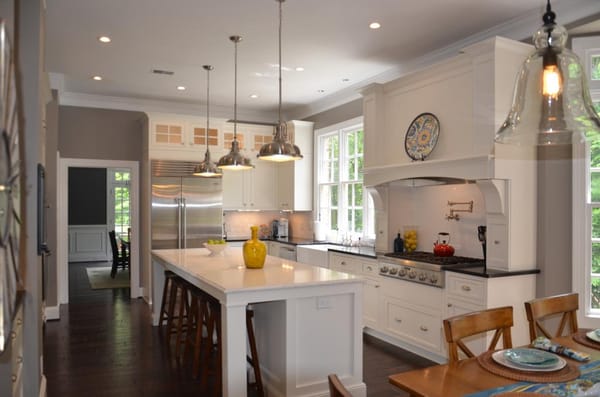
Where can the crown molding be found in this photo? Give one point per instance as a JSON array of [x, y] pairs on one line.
[[520, 29]]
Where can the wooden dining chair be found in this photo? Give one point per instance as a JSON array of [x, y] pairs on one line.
[[336, 388], [458, 327], [564, 306], [119, 260]]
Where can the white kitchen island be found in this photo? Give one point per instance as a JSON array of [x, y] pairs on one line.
[[308, 319]]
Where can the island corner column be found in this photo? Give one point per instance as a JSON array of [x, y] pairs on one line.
[[233, 319]]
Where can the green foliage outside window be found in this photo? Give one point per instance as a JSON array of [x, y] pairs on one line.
[[595, 72], [595, 199]]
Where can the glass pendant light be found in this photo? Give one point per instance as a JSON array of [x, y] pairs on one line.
[[551, 104], [207, 168], [280, 149], [234, 160]]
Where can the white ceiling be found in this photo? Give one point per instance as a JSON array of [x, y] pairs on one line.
[[329, 38]]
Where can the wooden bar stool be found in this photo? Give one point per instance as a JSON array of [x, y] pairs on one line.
[[212, 346], [253, 358], [164, 313], [183, 325], [197, 336]]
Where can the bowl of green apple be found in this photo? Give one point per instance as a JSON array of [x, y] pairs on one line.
[[215, 246]]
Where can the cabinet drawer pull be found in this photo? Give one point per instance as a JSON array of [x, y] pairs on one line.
[[466, 288], [449, 304], [343, 263], [398, 320], [377, 286], [423, 328]]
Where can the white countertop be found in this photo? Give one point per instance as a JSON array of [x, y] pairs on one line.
[[226, 271]]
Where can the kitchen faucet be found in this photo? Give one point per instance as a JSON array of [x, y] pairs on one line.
[[453, 211]]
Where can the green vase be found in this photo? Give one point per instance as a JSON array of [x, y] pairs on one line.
[[255, 251]]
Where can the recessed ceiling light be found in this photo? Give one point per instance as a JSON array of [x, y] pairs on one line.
[[345, 80], [253, 96], [320, 91], [299, 69], [97, 78], [104, 39], [180, 88], [374, 25]]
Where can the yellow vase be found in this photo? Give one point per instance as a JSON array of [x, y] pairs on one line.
[[255, 251]]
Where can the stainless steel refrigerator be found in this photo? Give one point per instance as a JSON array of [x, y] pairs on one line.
[[186, 210]]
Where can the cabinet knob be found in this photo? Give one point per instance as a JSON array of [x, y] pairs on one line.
[[343, 263], [369, 268], [13, 334], [423, 328], [13, 378], [449, 304], [398, 320], [19, 359], [466, 288], [19, 321], [377, 286], [496, 242]]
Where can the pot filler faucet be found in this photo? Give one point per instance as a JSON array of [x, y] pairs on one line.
[[453, 211]]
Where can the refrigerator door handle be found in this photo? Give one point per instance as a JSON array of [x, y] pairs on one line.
[[178, 202], [184, 229]]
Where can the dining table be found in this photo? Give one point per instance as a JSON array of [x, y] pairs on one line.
[[467, 377]]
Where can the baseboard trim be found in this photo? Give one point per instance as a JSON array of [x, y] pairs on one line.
[[43, 386], [52, 313]]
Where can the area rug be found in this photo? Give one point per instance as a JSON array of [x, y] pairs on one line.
[[99, 278]]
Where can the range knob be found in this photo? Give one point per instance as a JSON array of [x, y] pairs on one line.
[[433, 279], [393, 271], [402, 272], [384, 269], [412, 274], [422, 277]]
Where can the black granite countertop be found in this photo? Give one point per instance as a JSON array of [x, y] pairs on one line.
[[480, 271]]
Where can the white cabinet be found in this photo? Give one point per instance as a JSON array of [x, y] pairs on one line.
[[369, 269], [295, 178], [412, 314], [466, 293], [251, 189]]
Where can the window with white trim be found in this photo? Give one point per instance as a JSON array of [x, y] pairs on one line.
[[345, 209], [586, 200]]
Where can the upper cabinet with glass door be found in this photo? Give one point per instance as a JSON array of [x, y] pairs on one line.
[[180, 137]]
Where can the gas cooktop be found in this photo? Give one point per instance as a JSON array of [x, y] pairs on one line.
[[429, 257]]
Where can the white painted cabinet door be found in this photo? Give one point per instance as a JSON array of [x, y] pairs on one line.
[[262, 188], [233, 190], [371, 303]]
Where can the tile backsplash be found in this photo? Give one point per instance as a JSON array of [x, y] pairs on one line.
[[237, 224]]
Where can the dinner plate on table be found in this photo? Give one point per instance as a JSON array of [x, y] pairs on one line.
[[594, 335], [529, 360]]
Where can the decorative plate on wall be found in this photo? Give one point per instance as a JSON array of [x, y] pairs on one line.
[[422, 136]]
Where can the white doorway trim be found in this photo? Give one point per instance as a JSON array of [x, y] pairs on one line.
[[62, 223]]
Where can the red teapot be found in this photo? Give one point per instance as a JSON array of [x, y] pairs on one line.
[[442, 247]]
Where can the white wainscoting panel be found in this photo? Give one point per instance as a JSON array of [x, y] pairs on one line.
[[89, 243]]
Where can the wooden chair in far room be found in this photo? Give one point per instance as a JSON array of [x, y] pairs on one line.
[[119, 260], [336, 388], [564, 306], [462, 326]]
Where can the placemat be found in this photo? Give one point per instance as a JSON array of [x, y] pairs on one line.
[[569, 372], [582, 339]]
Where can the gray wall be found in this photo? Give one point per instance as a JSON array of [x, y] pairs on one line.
[[554, 248], [338, 114], [89, 133], [85, 133]]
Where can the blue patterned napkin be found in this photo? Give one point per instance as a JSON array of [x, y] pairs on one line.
[[545, 344]]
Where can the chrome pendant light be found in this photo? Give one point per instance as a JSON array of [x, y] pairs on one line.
[[551, 104], [280, 149], [207, 168], [234, 160]]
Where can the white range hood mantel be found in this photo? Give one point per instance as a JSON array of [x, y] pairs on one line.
[[467, 168]]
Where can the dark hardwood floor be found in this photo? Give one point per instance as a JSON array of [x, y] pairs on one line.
[[104, 345]]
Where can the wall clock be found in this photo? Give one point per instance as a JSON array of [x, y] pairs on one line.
[[10, 220]]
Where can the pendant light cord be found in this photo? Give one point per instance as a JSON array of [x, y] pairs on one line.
[[207, 102], [280, 24], [235, 91]]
